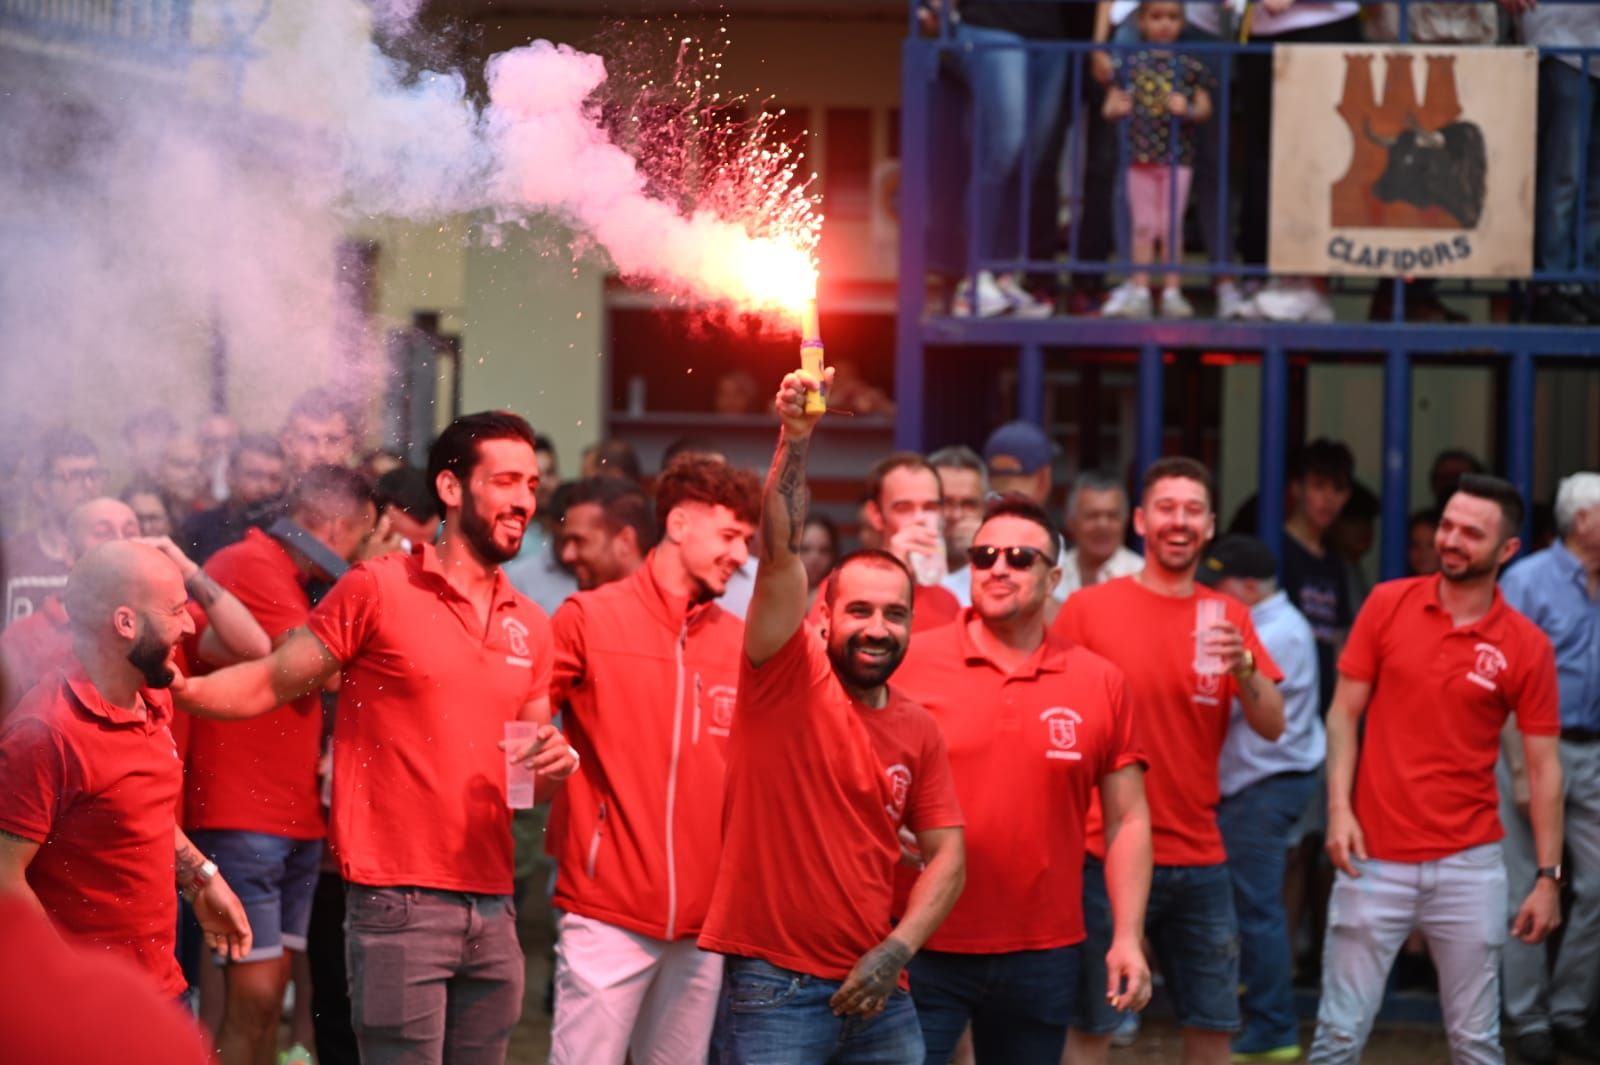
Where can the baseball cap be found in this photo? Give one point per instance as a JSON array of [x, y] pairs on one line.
[[1018, 447], [1236, 556]]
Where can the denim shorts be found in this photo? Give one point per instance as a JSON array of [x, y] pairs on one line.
[[274, 877], [1194, 932]]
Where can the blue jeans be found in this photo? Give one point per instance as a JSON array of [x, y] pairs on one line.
[[1255, 827], [1564, 115], [1018, 102], [1019, 1004], [774, 1016], [1191, 927]]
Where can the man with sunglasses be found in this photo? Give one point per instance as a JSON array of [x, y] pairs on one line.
[[826, 763], [1020, 704], [1147, 625]]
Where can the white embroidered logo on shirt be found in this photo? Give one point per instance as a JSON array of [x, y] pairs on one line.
[[899, 787], [722, 698], [517, 636], [1488, 664], [1207, 687], [1063, 725]]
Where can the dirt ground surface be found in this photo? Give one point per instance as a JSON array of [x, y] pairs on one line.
[[1391, 1044]]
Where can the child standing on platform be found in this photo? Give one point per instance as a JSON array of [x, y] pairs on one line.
[[1154, 85]]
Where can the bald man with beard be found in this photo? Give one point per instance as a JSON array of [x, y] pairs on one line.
[[40, 643], [89, 811]]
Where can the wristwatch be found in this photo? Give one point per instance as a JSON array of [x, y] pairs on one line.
[[202, 876], [1554, 872], [1245, 668]]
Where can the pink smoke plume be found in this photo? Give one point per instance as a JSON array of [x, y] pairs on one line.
[[553, 155]]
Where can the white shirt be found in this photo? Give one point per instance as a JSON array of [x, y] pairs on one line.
[[1564, 26], [1122, 563], [1246, 757], [1300, 16]]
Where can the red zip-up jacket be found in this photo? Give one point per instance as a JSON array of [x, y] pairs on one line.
[[646, 693]]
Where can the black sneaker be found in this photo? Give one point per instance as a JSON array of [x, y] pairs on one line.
[[1537, 1047], [1551, 306], [1577, 1043]]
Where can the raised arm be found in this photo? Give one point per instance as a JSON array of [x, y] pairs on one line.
[[1345, 839], [234, 635], [299, 666], [778, 602]]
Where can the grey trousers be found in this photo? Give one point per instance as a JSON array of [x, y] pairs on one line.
[[435, 976], [1539, 994], [1459, 904]]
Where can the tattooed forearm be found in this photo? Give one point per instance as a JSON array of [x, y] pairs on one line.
[[189, 861], [14, 838], [203, 589], [783, 514]]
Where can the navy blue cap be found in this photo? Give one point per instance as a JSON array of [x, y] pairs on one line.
[[1018, 448]]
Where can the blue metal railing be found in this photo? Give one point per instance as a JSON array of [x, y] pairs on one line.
[[932, 105]]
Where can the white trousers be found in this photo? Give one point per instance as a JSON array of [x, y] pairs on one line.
[[1459, 904], [619, 992]]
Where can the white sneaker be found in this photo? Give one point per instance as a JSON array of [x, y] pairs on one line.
[[1127, 1030], [1233, 303], [1173, 305], [991, 301], [1023, 303], [1127, 300], [1293, 301]]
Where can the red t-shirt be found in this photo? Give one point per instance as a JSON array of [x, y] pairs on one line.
[[1425, 785], [419, 779], [1181, 716], [97, 787], [33, 648], [61, 1004], [31, 576], [1027, 752], [259, 775], [818, 786]]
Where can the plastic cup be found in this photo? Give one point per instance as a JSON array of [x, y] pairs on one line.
[[519, 778], [1208, 613]]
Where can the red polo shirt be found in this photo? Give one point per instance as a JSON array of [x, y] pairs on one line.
[[1425, 785], [818, 786], [259, 775], [1181, 716], [419, 779], [1027, 751], [97, 787]]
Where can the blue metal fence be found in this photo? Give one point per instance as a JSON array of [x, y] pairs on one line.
[[932, 105]]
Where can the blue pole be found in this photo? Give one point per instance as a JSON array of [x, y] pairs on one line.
[[1030, 384], [1274, 441], [919, 67], [1396, 461], [1151, 404], [1519, 434]]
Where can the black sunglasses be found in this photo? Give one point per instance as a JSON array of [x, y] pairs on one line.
[[1018, 558]]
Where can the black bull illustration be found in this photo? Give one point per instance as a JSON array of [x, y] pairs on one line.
[[1442, 168]]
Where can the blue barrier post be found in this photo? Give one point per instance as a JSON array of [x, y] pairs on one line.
[[1519, 434], [1396, 489], [1272, 472]]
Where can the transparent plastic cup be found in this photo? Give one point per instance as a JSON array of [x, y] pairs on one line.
[[519, 778], [930, 568], [1207, 614]]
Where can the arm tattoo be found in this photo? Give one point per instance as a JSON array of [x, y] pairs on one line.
[[788, 482], [189, 862], [881, 967], [14, 838], [203, 588]]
